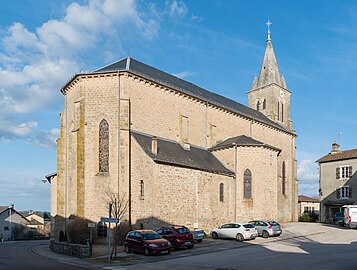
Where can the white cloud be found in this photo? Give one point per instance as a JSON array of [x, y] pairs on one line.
[[177, 8], [35, 64], [307, 170]]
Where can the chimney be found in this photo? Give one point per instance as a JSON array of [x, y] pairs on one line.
[[154, 145], [335, 148]]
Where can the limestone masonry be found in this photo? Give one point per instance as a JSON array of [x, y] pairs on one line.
[[176, 152]]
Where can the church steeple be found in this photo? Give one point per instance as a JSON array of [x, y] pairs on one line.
[[269, 93], [269, 72]]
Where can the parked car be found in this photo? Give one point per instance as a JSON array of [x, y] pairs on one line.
[[146, 241], [338, 218], [178, 236], [267, 228], [239, 231], [198, 235]]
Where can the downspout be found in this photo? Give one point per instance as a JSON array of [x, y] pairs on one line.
[[235, 181], [118, 133], [129, 162], [66, 176]]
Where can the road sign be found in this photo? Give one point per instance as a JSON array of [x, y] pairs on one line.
[[91, 225], [111, 220]]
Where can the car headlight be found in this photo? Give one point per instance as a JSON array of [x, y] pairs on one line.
[[152, 245]]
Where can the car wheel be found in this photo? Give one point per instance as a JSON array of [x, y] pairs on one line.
[[191, 246], [215, 235], [127, 249], [265, 234], [239, 237], [146, 252], [173, 246], [199, 241]]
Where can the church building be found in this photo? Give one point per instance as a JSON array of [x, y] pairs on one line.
[[177, 153]]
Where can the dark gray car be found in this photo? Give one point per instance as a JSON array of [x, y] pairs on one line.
[[267, 228]]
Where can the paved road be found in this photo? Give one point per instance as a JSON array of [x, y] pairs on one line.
[[302, 246], [18, 256]]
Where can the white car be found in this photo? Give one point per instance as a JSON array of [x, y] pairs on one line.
[[239, 231]]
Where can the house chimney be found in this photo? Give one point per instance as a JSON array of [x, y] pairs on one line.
[[154, 145], [335, 148]]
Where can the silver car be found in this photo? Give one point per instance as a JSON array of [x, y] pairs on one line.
[[238, 231], [267, 228]]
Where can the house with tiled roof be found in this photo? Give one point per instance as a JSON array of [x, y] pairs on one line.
[[178, 153], [308, 205], [10, 220], [337, 181]]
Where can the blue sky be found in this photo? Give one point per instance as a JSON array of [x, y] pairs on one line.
[[218, 45]]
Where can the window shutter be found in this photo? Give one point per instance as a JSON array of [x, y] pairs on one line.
[[349, 171], [350, 192], [338, 193], [338, 173]]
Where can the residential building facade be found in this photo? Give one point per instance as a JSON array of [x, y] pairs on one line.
[[178, 153], [10, 220], [308, 205], [337, 180]]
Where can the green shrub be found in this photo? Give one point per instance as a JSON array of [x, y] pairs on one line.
[[310, 217]]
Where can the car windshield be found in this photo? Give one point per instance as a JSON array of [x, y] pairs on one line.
[[182, 230], [248, 226], [151, 236], [340, 214], [273, 223]]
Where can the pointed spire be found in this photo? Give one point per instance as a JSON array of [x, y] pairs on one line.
[[283, 83], [255, 82], [269, 72]]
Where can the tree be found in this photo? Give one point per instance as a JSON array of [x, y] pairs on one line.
[[118, 207]]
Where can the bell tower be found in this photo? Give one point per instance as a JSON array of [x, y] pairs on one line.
[[269, 93]]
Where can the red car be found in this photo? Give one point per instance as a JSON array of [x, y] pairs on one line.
[[146, 241], [179, 236]]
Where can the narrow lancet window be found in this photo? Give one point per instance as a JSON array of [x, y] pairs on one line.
[[104, 146]]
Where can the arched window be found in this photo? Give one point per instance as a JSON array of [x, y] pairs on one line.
[[221, 192], [282, 112], [103, 146], [264, 104], [278, 110], [283, 174], [258, 105], [247, 184]]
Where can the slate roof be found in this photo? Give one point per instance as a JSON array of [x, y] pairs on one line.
[[242, 141], [3, 208], [348, 154], [303, 198], [156, 75], [171, 152]]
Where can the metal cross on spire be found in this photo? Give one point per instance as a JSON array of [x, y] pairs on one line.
[[268, 23]]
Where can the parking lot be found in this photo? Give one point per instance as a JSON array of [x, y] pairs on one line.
[[301, 245]]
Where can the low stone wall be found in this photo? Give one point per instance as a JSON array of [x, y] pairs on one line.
[[75, 250]]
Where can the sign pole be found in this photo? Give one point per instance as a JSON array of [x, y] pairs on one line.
[[109, 242]]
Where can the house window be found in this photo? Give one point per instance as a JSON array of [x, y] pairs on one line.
[[103, 146], [142, 188], [247, 184], [344, 192], [264, 104], [221, 192], [6, 228], [343, 172], [309, 209], [258, 105], [283, 183]]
